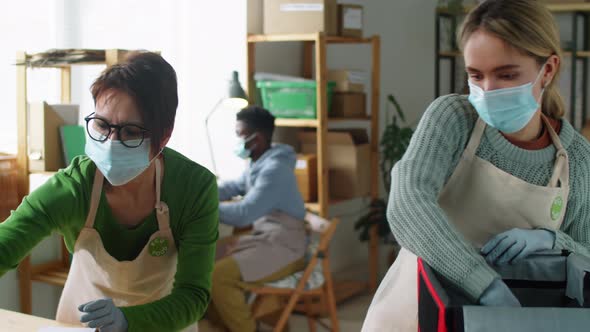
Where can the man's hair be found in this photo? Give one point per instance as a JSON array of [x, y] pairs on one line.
[[258, 119]]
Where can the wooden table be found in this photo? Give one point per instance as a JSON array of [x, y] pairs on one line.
[[17, 322]]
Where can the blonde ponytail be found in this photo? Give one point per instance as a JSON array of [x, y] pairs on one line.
[[552, 104]]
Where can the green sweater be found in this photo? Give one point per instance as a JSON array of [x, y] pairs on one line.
[[61, 205], [421, 226]]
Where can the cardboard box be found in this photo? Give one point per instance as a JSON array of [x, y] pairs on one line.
[[306, 172], [254, 17], [348, 105], [45, 148], [348, 80], [350, 20], [348, 161], [300, 16]]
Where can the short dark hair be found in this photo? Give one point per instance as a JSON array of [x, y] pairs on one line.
[[258, 119], [151, 82]]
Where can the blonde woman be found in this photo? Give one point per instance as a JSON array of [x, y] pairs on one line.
[[491, 177]]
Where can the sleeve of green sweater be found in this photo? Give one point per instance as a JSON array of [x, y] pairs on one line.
[[416, 219], [196, 256], [56, 206]]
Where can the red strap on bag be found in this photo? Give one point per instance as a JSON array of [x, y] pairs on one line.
[[442, 326]]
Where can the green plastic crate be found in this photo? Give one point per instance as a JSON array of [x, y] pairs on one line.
[[292, 100]]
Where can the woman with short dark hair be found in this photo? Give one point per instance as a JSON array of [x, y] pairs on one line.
[[143, 241]]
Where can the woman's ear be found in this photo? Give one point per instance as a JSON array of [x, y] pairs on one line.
[[551, 68]]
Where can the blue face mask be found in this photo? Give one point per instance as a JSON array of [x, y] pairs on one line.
[[118, 163], [508, 110], [241, 150]]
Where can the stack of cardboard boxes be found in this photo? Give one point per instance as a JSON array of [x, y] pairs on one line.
[[304, 16], [348, 152], [348, 162], [348, 100]]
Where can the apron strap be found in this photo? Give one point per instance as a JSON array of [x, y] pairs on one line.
[[561, 166], [94, 199], [161, 207], [158, 182], [475, 138]]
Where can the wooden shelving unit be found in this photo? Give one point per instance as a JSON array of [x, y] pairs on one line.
[[577, 53], [54, 272], [318, 42]]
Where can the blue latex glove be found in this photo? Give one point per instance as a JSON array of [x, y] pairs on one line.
[[516, 244], [498, 295], [103, 315]]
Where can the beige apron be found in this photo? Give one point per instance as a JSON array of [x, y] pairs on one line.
[[481, 201], [94, 274], [276, 241]]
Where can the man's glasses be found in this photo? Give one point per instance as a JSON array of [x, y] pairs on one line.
[[129, 135]]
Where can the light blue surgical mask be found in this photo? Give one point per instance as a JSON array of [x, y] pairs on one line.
[[508, 110], [119, 164], [241, 150]]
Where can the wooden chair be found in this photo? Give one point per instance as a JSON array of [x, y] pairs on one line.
[[325, 293]]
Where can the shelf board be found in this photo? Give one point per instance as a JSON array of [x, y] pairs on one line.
[[579, 54], [313, 123], [450, 54], [55, 276], [303, 123], [307, 37], [339, 120], [348, 40], [82, 63]]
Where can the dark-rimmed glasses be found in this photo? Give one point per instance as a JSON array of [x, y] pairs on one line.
[[130, 135]]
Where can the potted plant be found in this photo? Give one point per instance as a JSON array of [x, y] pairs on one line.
[[393, 145]]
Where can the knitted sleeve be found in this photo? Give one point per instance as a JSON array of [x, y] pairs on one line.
[[415, 217]]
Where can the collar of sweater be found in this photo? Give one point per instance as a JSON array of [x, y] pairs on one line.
[[513, 152]]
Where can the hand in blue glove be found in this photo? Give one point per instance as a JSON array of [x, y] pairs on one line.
[[498, 295], [516, 244], [103, 315]]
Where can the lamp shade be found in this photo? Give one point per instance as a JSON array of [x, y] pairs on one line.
[[236, 97], [235, 88]]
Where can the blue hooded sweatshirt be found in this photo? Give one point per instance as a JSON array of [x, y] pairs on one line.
[[268, 185]]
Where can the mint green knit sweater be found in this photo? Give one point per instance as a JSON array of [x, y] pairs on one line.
[[420, 225]]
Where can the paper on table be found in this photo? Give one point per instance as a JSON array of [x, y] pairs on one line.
[[66, 329]]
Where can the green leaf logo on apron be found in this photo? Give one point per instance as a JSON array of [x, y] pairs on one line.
[[556, 208], [158, 247]]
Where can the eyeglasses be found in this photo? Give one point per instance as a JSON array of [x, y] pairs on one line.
[[129, 135]]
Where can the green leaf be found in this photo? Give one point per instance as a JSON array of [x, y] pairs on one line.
[[397, 106]]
